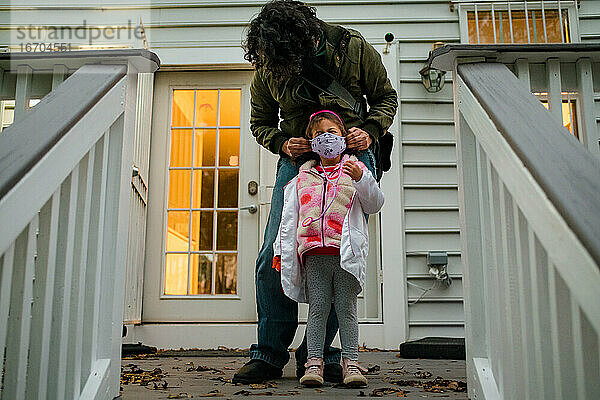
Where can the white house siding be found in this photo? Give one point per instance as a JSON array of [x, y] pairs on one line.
[[209, 32]]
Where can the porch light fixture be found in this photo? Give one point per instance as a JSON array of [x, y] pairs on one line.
[[432, 78]]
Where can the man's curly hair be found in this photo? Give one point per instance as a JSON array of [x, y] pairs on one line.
[[282, 38]]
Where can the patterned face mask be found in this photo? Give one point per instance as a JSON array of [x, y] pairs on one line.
[[328, 145]]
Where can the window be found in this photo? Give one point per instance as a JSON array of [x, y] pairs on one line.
[[7, 111], [202, 211], [569, 109], [506, 22]]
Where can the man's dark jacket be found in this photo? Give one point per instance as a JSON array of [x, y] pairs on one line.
[[354, 63]]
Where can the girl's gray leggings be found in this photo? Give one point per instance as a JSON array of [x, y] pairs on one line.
[[326, 281]]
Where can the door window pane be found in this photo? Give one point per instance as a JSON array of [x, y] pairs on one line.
[[181, 148], [178, 231], [176, 274], [202, 231], [226, 274], [228, 188], [198, 229], [227, 230], [179, 188], [206, 107], [204, 188], [205, 145], [229, 101], [201, 273], [229, 147], [183, 108]]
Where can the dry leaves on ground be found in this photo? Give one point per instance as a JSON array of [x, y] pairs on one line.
[[202, 368], [249, 393], [400, 370], [380, 392], [373, 370], [423, 374], [266, 385], [179, 396], [132, 374], [212, 393], [438, 385]]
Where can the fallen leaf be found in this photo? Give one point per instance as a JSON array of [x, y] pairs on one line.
[[380, 392], [212, 393], [179, 396], [423, 374], [373, 370]]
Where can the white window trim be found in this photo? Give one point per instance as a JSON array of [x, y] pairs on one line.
[[569, 5]]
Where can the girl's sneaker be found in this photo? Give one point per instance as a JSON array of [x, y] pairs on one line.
[[314, 372], [352, 375]]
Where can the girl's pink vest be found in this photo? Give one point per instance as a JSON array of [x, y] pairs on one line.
[[314, 193]]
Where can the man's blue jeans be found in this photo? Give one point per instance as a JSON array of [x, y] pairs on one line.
[[277, 313]]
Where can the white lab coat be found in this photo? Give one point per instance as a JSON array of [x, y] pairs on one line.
[[354, 246]]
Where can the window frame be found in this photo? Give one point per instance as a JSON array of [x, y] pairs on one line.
[[463, 6], [166, 207]]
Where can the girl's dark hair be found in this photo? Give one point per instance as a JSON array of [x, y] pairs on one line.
[[320, 117], [282, 38]]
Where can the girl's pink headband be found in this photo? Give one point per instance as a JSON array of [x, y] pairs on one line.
[[328, 111]]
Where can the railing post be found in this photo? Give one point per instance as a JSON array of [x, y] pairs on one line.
[[586, 112], [59, 73], [471, 244], [116, 227], [24, 76], [554, 88]]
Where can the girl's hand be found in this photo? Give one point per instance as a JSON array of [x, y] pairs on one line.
[[351, 168]]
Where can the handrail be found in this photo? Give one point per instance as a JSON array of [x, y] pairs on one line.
[[23, 144], [444, 57], [566, 171], [143, 60]]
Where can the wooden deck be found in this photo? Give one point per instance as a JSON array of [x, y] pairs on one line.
[[196, 377]]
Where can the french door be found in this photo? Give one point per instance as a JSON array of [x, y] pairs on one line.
[[202, 237]]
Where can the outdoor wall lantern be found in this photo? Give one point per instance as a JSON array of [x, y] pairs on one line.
[[432, 78]]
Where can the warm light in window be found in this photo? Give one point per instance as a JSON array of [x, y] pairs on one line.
[[525, 29], [202, 215]]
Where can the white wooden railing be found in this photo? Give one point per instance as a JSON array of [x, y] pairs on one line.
[[65, 186], [529, 195]]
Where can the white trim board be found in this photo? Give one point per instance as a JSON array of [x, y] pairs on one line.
[[211, 336]]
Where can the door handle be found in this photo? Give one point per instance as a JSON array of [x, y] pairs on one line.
[[251, 208]]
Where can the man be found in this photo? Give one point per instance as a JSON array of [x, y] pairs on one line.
[[281, 42]]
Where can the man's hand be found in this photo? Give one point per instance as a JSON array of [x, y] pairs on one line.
[[358, 139], [351, 168], [296, 146]]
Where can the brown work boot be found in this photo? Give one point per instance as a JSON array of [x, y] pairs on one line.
[[314, 373], [352, 375]]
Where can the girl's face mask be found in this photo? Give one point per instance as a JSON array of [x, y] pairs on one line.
[[328, 145]]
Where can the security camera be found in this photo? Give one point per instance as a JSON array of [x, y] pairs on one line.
[[389, 37]]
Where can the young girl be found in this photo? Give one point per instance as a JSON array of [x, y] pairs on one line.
[[322, 243]]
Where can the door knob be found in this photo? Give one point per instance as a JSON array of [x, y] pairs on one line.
[[251, 208]]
